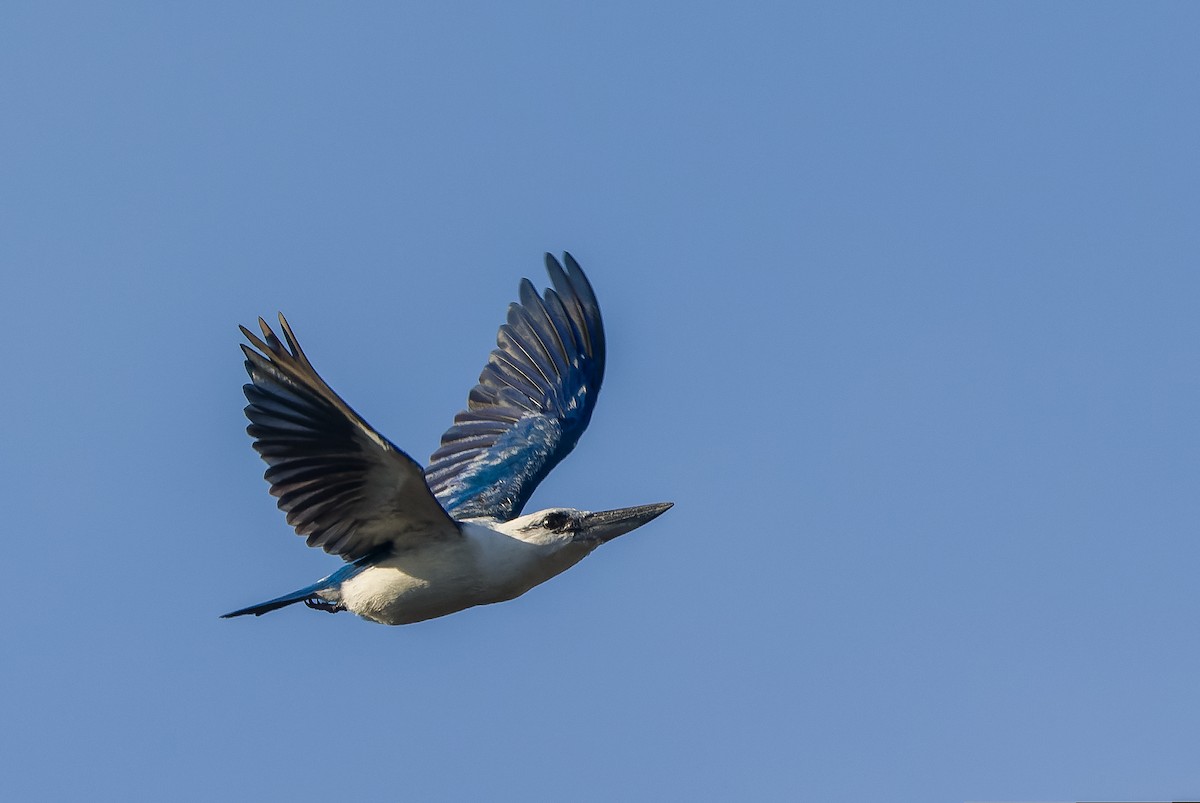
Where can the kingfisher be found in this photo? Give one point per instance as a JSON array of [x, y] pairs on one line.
[[422, 543]]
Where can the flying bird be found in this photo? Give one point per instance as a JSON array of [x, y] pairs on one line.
[[421, 543]]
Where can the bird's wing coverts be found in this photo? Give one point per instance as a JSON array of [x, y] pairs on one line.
[[344, 486], [533, 401]]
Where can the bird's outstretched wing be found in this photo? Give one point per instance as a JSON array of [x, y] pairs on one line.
[[342, 484], [533, 401]]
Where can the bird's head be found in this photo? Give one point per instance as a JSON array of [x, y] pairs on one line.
[[563, 525]]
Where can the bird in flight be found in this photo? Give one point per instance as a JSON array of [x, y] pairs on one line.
[[421, 543]]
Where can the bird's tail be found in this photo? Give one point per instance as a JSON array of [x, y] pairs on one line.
[[270, 605], [329, 601], [306, 594]]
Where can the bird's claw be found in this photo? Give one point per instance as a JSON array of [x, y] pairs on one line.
[[316, 603]]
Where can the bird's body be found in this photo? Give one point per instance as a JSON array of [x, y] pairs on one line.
[[486, 565], [426, 543]]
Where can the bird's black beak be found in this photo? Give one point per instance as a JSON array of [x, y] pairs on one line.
[[608, 524]]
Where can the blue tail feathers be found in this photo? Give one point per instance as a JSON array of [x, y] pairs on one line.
[[274, 604], [310, 593], [307, 593]]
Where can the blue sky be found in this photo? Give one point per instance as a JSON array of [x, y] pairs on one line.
[[901, 304]]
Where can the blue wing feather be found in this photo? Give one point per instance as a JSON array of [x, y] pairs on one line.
[[534, 399]]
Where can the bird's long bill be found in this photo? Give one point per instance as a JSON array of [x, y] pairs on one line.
[[608, 524]]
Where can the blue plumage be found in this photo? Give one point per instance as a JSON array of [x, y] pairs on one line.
[[534, 399]]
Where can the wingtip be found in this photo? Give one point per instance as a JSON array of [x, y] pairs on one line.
[[558, 276], [568, 261], [292, 342], [526, 292]]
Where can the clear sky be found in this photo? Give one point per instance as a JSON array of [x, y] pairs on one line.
[[902, 315]]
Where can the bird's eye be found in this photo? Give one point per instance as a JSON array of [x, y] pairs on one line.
[[556, 520]]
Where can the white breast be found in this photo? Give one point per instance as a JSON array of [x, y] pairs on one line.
[[483, 566]]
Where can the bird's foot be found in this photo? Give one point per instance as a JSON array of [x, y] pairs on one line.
[[316, 603]]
